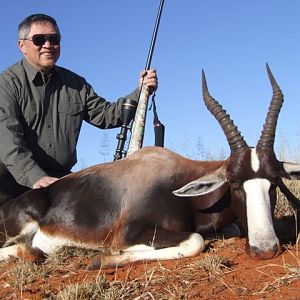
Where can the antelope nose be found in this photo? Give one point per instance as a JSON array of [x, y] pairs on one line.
[[260, 254]]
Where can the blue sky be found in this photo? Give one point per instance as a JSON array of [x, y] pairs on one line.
[[107, 42]]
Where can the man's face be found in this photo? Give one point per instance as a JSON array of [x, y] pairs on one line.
[[44, 57]]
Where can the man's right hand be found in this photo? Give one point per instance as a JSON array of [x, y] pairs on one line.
[[44, 181]]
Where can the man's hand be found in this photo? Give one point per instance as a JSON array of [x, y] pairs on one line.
[[149, 79], [44, 181]]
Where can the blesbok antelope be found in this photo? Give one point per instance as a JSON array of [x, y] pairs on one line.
[[132, 209]]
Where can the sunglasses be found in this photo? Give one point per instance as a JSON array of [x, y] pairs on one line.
[[41, 39]]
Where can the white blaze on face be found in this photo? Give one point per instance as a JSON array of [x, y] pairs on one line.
[[254, 160], [261, 232]]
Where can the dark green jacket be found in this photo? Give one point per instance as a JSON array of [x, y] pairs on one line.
[[40, 120]]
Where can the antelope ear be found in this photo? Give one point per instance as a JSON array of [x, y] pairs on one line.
[[291, 170], [201, 186]]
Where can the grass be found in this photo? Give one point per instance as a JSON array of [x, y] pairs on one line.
[[24, 274], [100, 289], [214, 265], [285, 275]]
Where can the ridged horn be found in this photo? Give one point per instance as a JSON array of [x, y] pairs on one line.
[[267, 136], [234, 137]]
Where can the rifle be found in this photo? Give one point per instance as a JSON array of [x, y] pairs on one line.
[[138, 127]]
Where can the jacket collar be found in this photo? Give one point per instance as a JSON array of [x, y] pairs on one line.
[[33, 73]]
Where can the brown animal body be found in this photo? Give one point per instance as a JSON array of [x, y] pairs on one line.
[[155, 204], [118, 205]]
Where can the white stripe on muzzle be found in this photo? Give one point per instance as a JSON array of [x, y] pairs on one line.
[[261, 232]]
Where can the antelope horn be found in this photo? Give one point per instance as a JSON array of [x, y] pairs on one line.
[[267, 137], [234, 137]]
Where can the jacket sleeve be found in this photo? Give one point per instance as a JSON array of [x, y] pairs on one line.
[[105, 114], [14, 152]]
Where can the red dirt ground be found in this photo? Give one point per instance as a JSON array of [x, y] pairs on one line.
[[224, 271]]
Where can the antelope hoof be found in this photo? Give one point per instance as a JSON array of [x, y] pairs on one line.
[[259, 254]]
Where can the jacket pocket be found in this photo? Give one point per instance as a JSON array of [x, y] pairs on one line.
[[71, 108], [71, 115]]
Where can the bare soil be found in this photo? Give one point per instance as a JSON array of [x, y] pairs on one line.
[[223, 271]]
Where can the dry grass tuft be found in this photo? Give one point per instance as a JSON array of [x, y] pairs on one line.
[[23, 275], [64, 255], [100, 289], [289, 274], [214, 265]]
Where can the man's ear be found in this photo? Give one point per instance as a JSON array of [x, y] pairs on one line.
[[21, 45]]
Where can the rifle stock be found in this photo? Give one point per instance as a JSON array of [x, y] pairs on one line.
[[138, 127]]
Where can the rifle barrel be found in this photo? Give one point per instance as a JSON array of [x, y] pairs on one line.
[[154, 35], [138, 127]]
